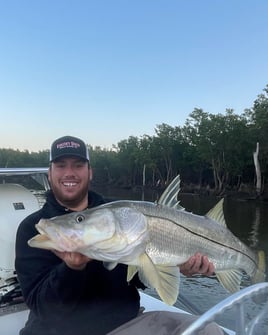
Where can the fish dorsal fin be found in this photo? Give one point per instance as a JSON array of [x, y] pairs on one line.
[[169, 196], [216, 213], [230, 279], [164, 279]]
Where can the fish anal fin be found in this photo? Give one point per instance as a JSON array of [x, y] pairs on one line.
[[216, 213], [164, 279], [230, 279]]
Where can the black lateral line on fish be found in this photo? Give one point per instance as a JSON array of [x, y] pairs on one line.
[[208, 239]]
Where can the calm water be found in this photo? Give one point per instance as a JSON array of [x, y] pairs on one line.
[[248, 220]]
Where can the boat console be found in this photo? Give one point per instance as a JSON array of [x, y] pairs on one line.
[[16, 202]]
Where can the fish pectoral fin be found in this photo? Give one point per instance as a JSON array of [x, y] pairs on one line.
[[165, 279], [109, 265], [230, 279], [131, 271]]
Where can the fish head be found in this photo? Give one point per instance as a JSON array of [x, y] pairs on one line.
[[75, 231], [107, 233]]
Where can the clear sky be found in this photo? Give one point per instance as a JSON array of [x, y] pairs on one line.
[[104, 70]]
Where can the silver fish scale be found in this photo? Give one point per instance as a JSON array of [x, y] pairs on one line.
[[132, 224], [175, 235]]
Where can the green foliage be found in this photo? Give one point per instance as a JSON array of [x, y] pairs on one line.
[[15, 158], [210, 149]]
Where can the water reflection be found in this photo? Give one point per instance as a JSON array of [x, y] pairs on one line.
[[254, 234], [248, 220]]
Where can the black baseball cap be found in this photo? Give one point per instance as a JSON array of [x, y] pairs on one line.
[[68, 146]]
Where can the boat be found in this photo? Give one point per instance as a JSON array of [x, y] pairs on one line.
[[18, 201]]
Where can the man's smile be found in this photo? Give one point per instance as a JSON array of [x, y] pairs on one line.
[[70, 184]]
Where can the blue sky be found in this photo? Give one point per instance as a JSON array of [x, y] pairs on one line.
[[105, 70]]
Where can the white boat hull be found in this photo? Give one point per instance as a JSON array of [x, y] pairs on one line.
[[10, 324]]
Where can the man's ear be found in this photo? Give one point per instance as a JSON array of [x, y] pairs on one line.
[[90, 173], [49, 173]]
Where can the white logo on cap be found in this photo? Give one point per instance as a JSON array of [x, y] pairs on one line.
[[68, 145]]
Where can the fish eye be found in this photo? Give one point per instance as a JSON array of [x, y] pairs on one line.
[[79, 218]]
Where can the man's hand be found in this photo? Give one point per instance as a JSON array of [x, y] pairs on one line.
[[197, 264], [73, 260]]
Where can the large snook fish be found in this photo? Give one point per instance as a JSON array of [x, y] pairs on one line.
[[153, 238]]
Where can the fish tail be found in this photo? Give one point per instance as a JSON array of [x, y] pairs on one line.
[[260, 273]]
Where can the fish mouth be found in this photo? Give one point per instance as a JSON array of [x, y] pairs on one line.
[[42, 232], [40, 238], [42, 241], [51, 237]]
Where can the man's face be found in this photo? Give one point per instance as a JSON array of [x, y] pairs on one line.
[[69, 179]]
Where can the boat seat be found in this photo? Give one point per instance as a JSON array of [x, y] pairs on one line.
[[16, 202]]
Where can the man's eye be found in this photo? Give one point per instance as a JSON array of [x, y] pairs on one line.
[[79, 165], [79, 218], [60, 165]]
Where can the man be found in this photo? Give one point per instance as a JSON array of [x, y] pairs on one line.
[[68, 293]]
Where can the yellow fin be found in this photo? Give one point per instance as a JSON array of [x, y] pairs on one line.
[[230, 279], [260, 273], [216, 213], [164, 279], [131, 271], [169, 197]]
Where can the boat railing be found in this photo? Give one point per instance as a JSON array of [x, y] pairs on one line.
[[258, 293]]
